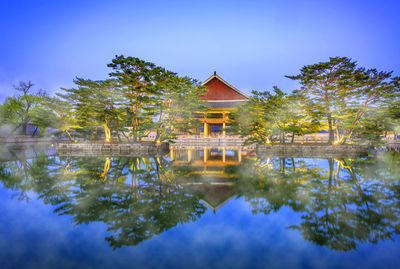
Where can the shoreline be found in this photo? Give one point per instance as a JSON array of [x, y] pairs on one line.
[[123, 149]]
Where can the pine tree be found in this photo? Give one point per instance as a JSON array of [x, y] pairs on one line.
[[328, 84]]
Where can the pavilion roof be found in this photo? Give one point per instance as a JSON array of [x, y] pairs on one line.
[[213, 194], [217, 77]]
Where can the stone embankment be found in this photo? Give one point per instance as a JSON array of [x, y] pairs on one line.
[[148, 148], [199, 142], [35, 140], [111, 149], [313, 151]]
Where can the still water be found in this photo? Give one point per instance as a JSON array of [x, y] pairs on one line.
[[208, 208]]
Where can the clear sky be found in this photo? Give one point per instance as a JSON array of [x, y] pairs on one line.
[[251, 44]]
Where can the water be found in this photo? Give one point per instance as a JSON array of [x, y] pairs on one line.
[[213, 208]]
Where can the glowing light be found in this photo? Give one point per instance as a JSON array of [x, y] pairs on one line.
[[336, 142], [107, 133], [106, 168]]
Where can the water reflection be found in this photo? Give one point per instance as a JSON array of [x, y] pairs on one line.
[[342, 202]]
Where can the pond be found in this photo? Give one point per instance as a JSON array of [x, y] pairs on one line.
[[198, 208]]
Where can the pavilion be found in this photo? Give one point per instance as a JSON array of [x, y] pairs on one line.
[[222, 99]]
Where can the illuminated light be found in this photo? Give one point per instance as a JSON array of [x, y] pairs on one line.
[[335, 143], [66, 169], [106, 168], [107, 132]]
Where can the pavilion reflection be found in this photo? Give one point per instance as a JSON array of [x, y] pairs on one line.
[[208, 161], [209, 167]]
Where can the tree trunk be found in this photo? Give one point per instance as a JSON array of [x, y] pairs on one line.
[[331, 135], [69, 136], [157, 136], [293, 164], [127, 137], [331, 169], [34, 132], [107, 132], [24, 128], [292, 138], [283, 166]]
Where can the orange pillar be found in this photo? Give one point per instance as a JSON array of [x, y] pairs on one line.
[[189, 155], [205, 129]]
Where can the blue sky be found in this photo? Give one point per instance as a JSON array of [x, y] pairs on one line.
[[251, 44]]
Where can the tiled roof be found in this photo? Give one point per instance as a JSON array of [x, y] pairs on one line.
[[243, 95]]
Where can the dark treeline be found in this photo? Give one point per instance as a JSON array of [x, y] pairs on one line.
[[349, 102]]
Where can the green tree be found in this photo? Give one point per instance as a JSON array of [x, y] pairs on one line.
[[94, 106], [327, 84], [138, 99], [63, 116], [267, 117], [140, 84], [342, 93], [156, 99], [392, 113], [257, 119], [19, 110], [369, 99], [299, 116], [177, 106]]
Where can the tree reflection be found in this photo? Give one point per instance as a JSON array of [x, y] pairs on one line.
[[134, 197], [342, 202], [341, 206]]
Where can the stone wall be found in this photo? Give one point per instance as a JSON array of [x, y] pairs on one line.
[[111, 149], [29, 140], [204, 141], [313, 151], [146, 148]]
